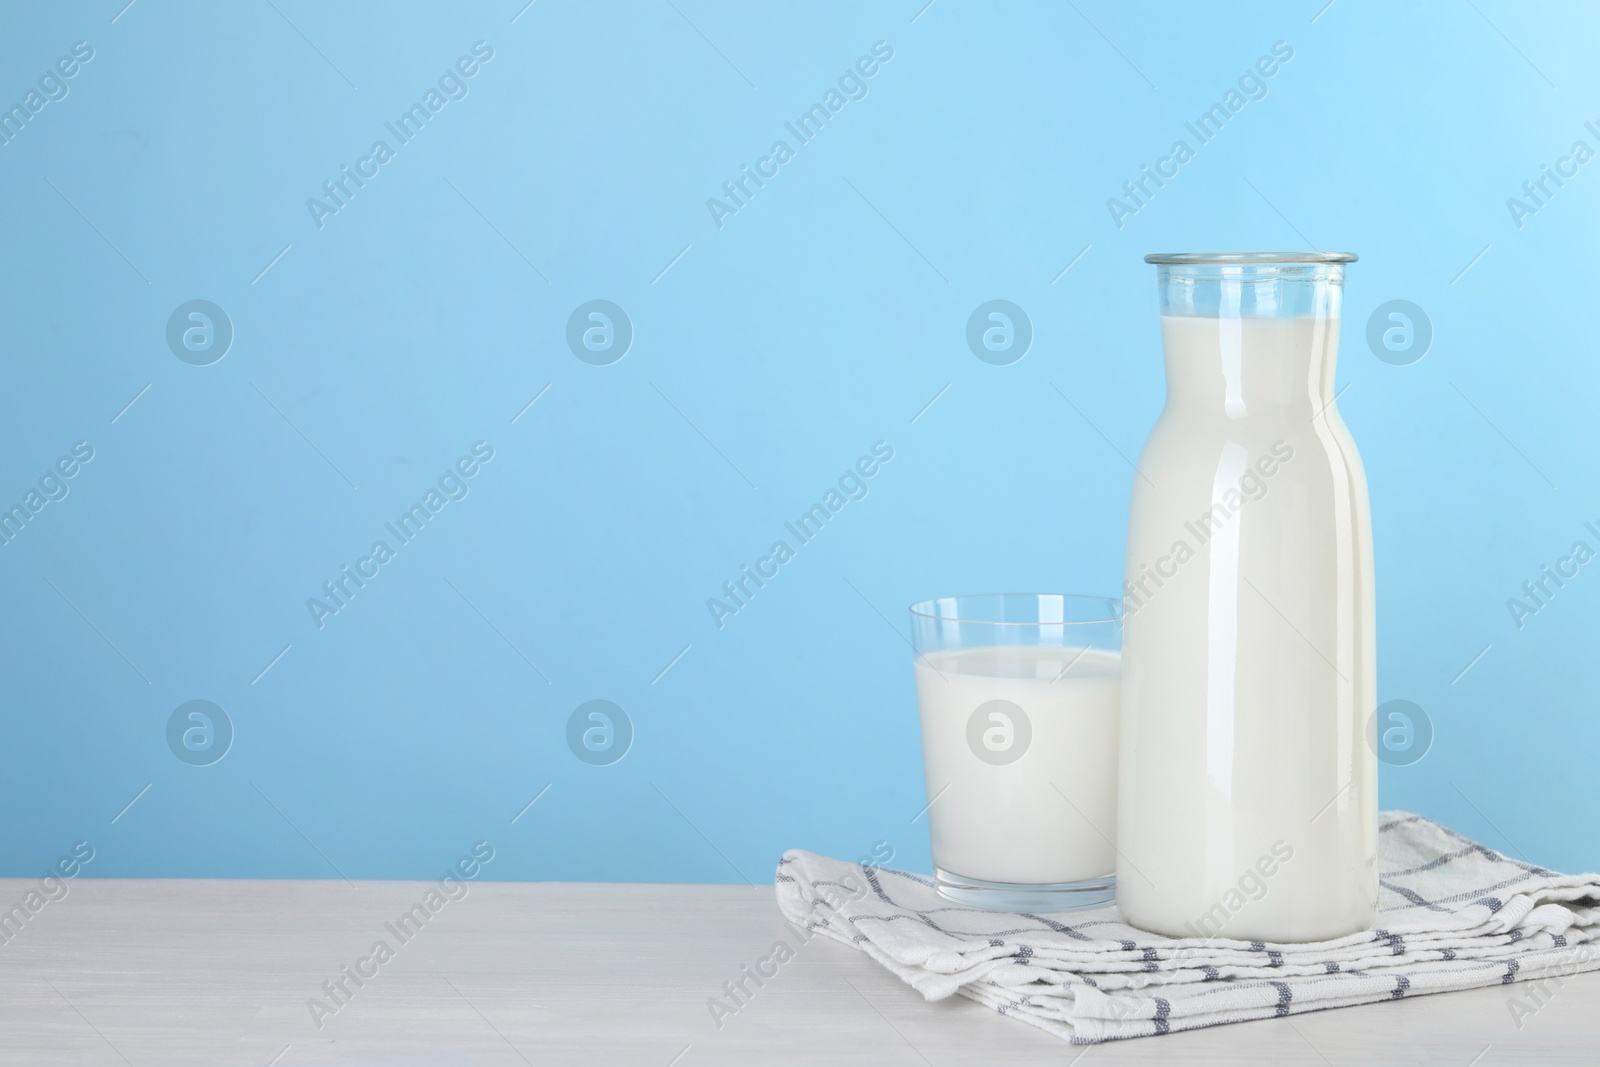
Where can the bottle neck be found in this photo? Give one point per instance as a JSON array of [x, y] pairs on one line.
[[1251, 365]]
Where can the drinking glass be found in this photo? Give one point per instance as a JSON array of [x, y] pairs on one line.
[[1018, 698]]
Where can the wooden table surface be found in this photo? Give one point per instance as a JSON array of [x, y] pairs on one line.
[[220, 973]]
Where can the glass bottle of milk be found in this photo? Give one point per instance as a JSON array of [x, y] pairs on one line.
[[1247, 789]]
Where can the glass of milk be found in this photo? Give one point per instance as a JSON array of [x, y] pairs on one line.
[[1018, 696]]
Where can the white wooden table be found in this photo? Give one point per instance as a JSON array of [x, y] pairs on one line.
[[219, 973]]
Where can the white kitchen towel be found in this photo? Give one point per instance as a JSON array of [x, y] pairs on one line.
[[1452, 914]]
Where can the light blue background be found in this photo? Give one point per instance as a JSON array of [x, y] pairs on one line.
[[824, 316]]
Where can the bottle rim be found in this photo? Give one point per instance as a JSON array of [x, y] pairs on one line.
[[1247, 258]]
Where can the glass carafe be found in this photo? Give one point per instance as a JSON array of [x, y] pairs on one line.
[[1247, 802]]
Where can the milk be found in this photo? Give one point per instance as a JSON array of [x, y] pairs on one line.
[[1248, 646], [1029, 797]]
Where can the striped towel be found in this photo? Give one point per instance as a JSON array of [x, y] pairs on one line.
[[1452, 915]]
